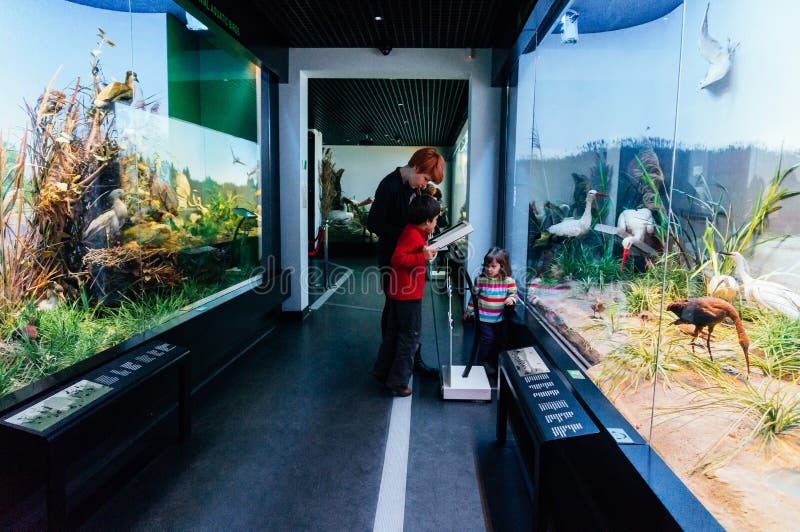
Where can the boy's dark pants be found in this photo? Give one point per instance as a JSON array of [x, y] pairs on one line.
[[396, 354], [493, 339]]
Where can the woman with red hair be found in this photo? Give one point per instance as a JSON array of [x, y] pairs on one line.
[[387, 218]]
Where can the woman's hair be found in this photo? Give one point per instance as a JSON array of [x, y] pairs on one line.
[[422, 209], [428, 161], [501, 256]]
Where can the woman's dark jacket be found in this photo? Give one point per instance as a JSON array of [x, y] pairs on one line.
[[387, 215]]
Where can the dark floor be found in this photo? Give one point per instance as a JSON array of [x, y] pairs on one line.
[[292, 437]]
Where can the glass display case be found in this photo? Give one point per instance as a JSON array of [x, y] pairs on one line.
[[130, 169], [653, 155]]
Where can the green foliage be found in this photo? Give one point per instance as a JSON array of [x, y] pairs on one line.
[[592, 263], [722, 234], [644, 292], [640, 359], [778, 337]]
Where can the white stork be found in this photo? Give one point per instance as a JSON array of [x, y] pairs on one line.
[[576, 227]]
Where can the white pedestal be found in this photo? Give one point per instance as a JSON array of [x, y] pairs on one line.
[[473, 388]]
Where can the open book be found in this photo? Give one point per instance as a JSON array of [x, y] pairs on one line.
[[457, 232]]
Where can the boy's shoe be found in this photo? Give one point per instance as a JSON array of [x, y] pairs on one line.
[[400, 391]]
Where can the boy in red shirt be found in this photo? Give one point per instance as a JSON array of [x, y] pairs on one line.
[[396, 354]]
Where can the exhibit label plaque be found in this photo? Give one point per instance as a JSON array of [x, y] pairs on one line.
[[46, 414], [552, 406]]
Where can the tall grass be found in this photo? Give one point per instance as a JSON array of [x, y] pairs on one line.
[[640, 359], [643, 293], [770, 412], [778, 337]]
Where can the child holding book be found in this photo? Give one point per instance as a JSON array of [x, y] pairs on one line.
[[496, 291], [395, 360]]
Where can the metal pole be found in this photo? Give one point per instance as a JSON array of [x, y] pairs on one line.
[[449, 307], [325, 263]]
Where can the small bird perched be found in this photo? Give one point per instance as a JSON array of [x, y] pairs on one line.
[[110, 222], [576, 227], [28, 331], [769, 294], [116, 91], [51, 102], [709, 312], [597, 307], [719, 58]]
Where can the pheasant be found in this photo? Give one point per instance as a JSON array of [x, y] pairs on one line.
[[709, 312]]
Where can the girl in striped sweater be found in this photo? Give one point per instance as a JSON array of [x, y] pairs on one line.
[[496, 290]]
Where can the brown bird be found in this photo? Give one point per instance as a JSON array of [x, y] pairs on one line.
[[597, 307], [27, 332], [708, 312], [116, 91]]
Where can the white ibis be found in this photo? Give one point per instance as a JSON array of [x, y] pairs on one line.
[[109, 222], [576, 227], [772, 295], [116, 91], [632, 226]]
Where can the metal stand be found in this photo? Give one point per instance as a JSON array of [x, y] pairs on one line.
[[461, 382]]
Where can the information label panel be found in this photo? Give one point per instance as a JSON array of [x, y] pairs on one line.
[[551, 405], [48, 414]]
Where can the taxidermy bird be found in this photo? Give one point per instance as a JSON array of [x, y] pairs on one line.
[[28, 331], [709, 312], [724, 287], [632, 226], [576, 227], [236, 160], [116, 91], [719, 58], [597, 307], [109, 223], [772, 295], [54, 295], [51, 102]]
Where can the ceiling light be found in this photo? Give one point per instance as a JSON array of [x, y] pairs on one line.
[[378, 17], [400, 104]]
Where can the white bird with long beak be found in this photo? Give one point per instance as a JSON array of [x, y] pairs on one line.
[[772, 295], [110, 222], [632, 226], [576, 227], [718, 57]]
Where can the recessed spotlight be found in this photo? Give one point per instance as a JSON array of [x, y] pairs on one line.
[[378, 17], [400, 104]]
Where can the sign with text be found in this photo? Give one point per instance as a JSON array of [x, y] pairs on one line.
[[48, 413], [550, 403]]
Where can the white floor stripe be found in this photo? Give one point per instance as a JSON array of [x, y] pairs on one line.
[[390, 514], [328, 293]]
